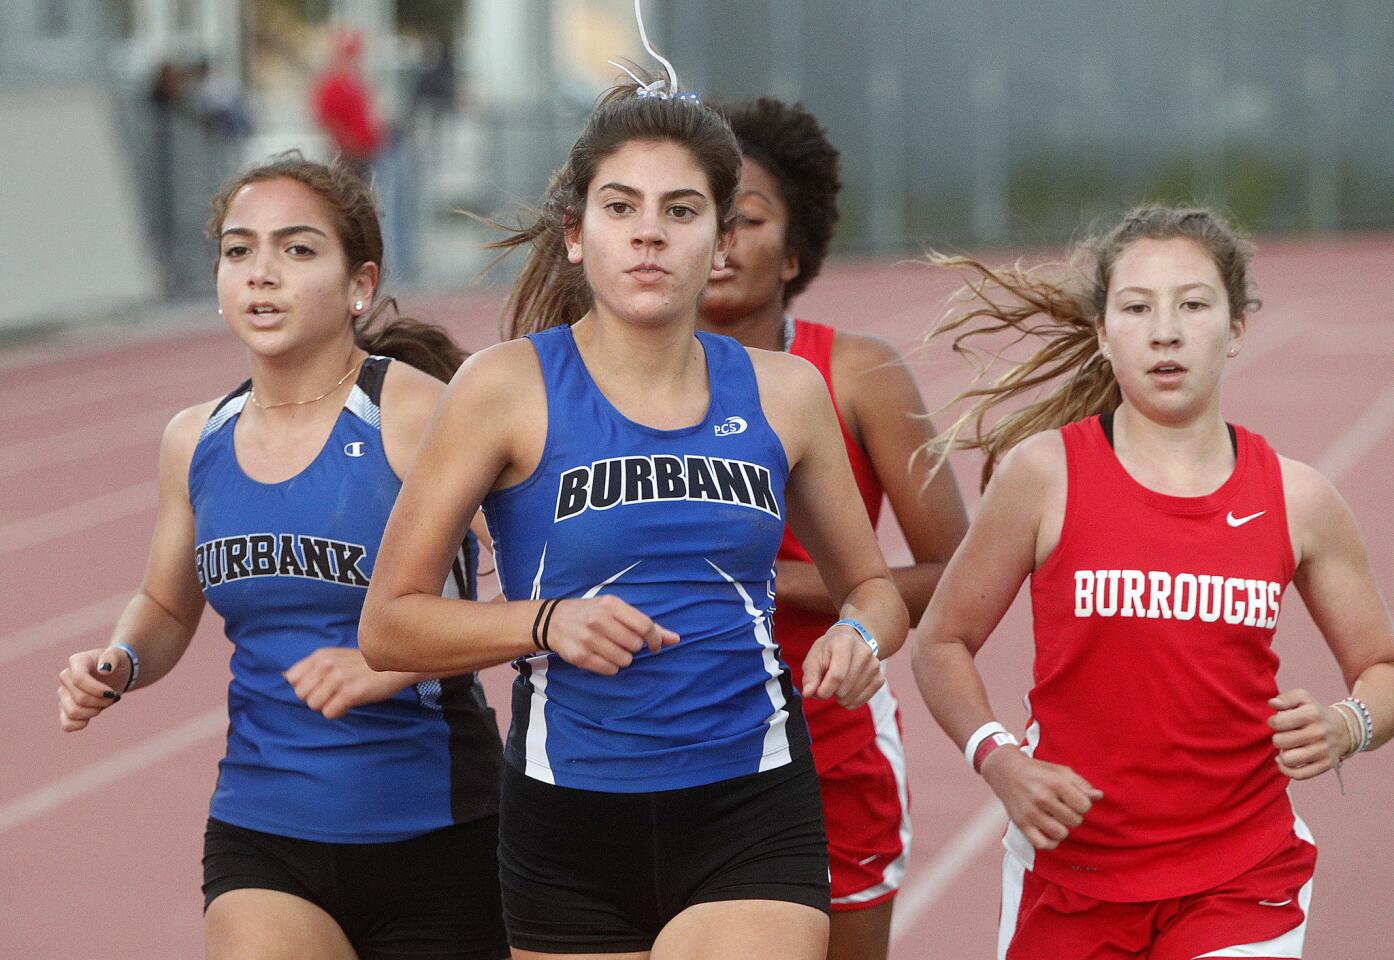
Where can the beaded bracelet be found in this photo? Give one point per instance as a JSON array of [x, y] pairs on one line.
[[1360, 728], [1367, 722], [1351, 718]]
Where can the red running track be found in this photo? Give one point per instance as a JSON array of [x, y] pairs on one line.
[[101, 832]]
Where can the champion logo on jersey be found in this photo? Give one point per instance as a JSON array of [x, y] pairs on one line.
[[1234, 521], [354, 449], [731, 426], [662, 478]]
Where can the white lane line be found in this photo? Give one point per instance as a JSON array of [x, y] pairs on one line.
[[92, 512], [84, 441], [1359, 438], [949, 861], [64, 628], [94, 776]]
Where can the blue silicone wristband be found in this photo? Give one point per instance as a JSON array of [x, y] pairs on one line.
[[865, 633], [135, 664]]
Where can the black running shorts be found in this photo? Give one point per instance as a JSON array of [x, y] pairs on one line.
[[433, 897], [590, 872]]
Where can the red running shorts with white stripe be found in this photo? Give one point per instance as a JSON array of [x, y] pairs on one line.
[[1262, 913], [866, 805]]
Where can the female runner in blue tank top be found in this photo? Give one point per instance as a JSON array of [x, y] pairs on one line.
[[659, 796], [355, 813]]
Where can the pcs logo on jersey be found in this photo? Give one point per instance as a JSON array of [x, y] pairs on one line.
[[662, 478], [730, 427]]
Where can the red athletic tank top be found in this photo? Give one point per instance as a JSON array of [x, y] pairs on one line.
[[837, 733], [1154, 621]]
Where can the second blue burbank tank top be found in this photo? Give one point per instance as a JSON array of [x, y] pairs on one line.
[[683, 525], [287, 565]]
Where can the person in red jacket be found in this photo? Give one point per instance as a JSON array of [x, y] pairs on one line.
[[1149, 808], [343, 105], [786, 209]]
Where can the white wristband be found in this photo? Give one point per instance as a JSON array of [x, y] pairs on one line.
[[979, 735]]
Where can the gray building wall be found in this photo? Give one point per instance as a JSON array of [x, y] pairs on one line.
[[70, 224], [969, 122], [1016, 120]]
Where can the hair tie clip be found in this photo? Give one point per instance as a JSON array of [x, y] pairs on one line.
[[662, 89]]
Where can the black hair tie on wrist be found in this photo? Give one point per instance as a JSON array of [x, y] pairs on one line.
[[547, 624], [537, 622]]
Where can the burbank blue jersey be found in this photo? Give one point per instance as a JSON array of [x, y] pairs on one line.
[[684, 526], [287, 566]]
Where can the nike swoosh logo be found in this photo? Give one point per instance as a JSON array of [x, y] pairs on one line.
[[1234, 521], [1275, 903]]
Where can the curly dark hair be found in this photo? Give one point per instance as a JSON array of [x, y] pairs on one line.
[[789, 142]]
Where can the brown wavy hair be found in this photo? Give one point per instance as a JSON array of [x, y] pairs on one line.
[[1061, 305], [382, 330], [552, 291]]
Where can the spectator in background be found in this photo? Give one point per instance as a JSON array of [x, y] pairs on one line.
[[434, 92], [219, 102], [404, 169], [343, 105], [167, 87]]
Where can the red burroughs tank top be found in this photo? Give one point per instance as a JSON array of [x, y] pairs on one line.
[[837, 733], [1154, 622]]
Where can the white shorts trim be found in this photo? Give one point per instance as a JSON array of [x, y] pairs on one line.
[[1014, 840], [1286, 945], [1013, 885], [883, 708]]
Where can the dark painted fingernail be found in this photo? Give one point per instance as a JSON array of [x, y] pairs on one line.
[[105, 667], [111, 695]]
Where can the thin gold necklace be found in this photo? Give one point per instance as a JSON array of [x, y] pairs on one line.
[[252, 395]]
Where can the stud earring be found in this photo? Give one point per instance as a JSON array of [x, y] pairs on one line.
[[358, 305], [1107, 356], [1234, 351]]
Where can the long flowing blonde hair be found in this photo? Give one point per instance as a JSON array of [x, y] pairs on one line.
[[1061, 305]]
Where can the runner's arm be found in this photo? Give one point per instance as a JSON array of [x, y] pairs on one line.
[[493, 409], [887, 414], [1334, 578], [159, 621], [969, 602], [824, 509], [1004, 544]]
